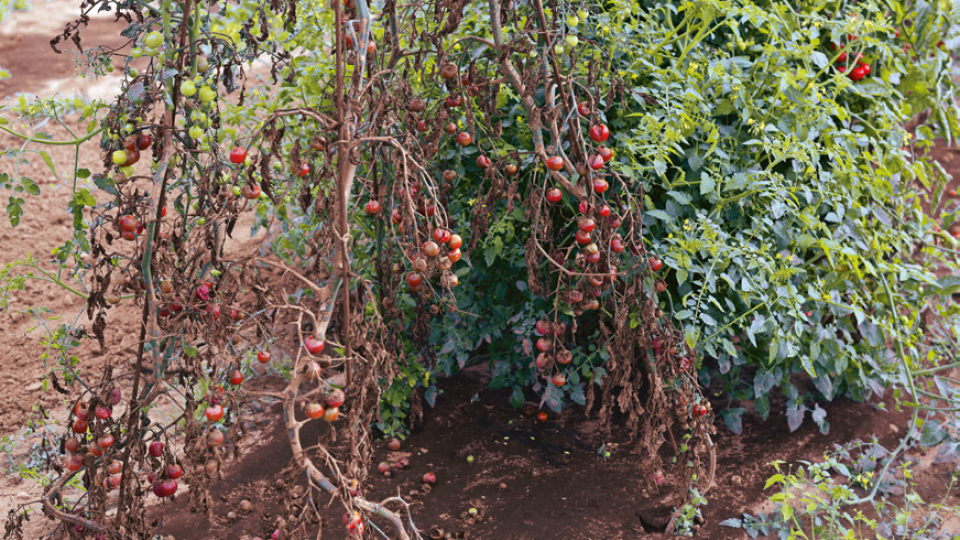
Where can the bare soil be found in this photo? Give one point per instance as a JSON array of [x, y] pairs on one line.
[[529, 480]]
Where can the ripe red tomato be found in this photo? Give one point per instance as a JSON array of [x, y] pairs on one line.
[[599, 132], [544, 344], [586, 224], [454, 101], [421, 126], [555, 163], [238, 155], [605, 153], [441, 235], [393, 444], [313, 344], [102, 412], [237, 378], [264, 357], [383, 468], [596, 162], [105, 441], [314, 410], [144, 141], [430, 249], [857, 73], [335, 398], [454, 255], [510, 169], [584, 207], [132, 158], [71, 445], [331, 414], [80, 426], [583, 238], [214, 438], [655, 264], [616, 245], [250, 191], [155, 449], [542, 416], [429, 478], [114, 467], [600, 186], [559, 380], [449, 71], [454, 242], [464, 138], [583, 108], [372, 208], [544, 327], [174, 471], [165, 488], [564, 357], [554, 195], [414, 279], [214, 413], [866, 69], [483, 162], [128, 223]]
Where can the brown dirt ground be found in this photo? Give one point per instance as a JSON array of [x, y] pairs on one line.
[[553, 483]]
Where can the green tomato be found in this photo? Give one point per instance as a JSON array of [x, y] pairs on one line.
[[188, 89], [136, 52], [154, 39], [264, 196], [236, 190], [212, 82], [109, 68], [572, 41], [558, 48], [133, 73], [128, 128], [470, 459], [583, 14], [207, 95], [119, 157], [198, 116], [214, 272], [201, 221], [149, 51], [127, 171], [196, 132], [573, 20]]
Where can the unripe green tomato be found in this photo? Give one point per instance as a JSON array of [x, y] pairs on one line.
[[196, 132], [119, 157], [558, 48], [114, 137], [211, 82], [205, 147], [215, 273], [133, 73], [153, 40], [127, 171], [188, 89], [573, 20], [236, 190], [148, 51], [128, 128], [109, 68], [207, 95], [247, 161], [201, 221], [136, 52], [572, 41], [276, 165]]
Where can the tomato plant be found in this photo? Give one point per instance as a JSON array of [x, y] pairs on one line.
[[658, 196]]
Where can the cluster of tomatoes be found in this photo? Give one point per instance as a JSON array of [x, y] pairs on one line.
[[333, 398], [858, 69], [98, 425], [552, 352], [130, 155], [437, 255]]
